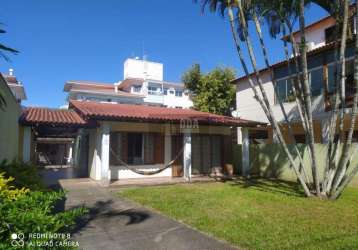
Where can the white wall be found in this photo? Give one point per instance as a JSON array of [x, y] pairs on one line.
[[120, 172], [250, 109], [316, 34], [135, 68], [104, 98], [173, 101], [9, 126]]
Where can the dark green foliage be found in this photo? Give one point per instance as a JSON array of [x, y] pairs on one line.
[[26, 175], [212, 92], [35, 211], [192, 78]]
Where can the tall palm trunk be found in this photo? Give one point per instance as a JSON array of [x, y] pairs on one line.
[[307, 96], [298, 75], [274, 83], [334, 175], [332, 147], [298, 100], [264, 100], [259, 99], [341, 170]]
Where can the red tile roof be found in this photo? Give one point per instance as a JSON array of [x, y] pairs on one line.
[[128, 112], [46, 116]]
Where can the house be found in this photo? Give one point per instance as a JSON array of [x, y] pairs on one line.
[[321, 70], [143, 84], [114, 141], [12, 94], [16, 86], [140, 127]]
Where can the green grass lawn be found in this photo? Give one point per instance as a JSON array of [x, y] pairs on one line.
[[258, 215]]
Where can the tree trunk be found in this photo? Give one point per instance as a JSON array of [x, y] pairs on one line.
[[307, 96], [333, 178], [299, 77], [274, 83], [264, 102], [348, 143]]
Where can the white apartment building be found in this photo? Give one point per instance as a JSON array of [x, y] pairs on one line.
[[143, 84]]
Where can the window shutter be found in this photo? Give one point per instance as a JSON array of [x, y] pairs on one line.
[[158, 148], [148, 148], [124, 147]]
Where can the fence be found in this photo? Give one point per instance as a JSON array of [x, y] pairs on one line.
[[269, 160]]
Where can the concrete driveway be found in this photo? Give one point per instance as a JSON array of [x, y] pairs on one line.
[[115, 223]]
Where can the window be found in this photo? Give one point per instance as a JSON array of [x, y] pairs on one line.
[[331, 78], [332, 74], [178, 93], [135, 141], [148, 145], [284, 86], [330, 32], [316, 81], [171, 92], [136, 148], [165, 91], [153, 90], [136, 88], [284, 90]]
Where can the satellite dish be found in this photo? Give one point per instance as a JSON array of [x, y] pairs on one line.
[[235, 113]]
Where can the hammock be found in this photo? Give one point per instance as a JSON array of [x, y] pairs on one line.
[[141, 172]]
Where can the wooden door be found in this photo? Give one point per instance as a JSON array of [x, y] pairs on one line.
[[177, 152]]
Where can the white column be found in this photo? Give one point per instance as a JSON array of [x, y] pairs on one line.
[[69, 156], [26, 145], [187, 156], [97, 162], [76, 154], [105, 173], [167, 145], [245, 151]]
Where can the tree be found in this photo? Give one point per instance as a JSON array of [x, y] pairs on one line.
[[280, 16], [3, 50], [212, 92]]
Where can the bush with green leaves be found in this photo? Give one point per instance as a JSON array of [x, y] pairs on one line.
[[26, 175], [27, 211]]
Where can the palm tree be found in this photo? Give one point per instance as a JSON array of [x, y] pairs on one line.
[[242, 13], [3, 50], [280, 16]]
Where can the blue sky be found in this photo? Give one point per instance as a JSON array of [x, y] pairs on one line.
[[63, 40]]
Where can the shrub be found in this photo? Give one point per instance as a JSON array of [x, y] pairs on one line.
[[7, 192], [26, 175], [27, 212]]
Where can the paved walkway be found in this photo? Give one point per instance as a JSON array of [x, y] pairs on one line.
[[115, 223]]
